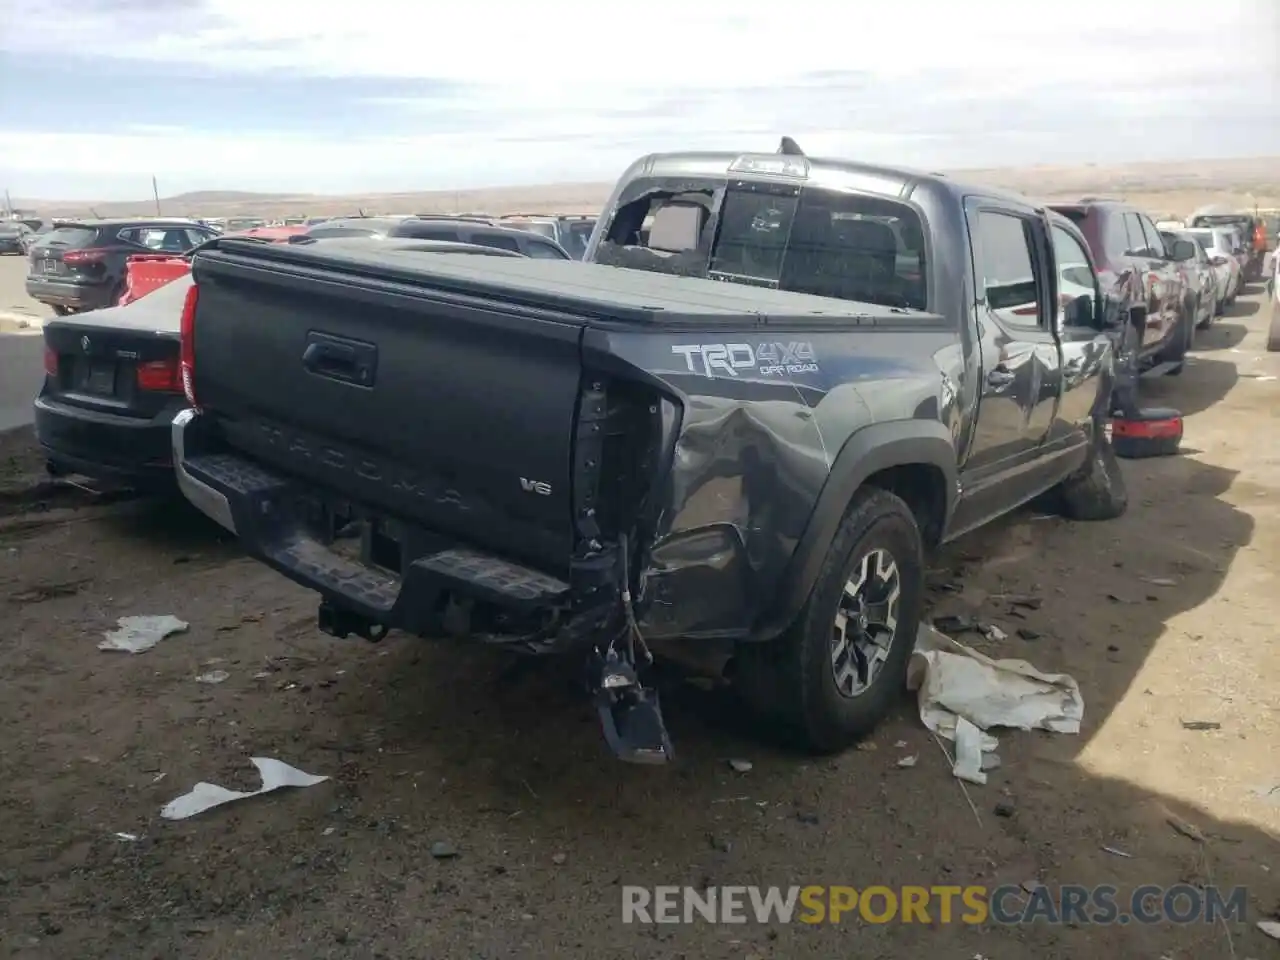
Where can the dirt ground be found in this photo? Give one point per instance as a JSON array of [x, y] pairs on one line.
[[430, 744]]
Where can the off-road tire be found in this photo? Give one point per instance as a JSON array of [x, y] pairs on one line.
[[791, 680], [1182, 339], [1207, 322], [1097, 491], [1273, 331]]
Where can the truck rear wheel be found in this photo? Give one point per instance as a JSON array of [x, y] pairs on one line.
[[1180, 343], [1097, 491], [841, 666]]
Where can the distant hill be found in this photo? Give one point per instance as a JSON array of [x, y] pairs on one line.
[[201, 197], [1161, 188]]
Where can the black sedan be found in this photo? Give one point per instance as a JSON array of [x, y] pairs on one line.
[[112, 387]]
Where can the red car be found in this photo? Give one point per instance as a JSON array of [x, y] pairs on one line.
[[145, 272]]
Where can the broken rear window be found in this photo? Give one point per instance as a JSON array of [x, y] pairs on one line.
[[805, 240]]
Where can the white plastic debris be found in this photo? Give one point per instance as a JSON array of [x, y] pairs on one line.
[[140, 634], [213, 676], [955, 682], [205, 796], [968, 765], [907, 763], [1271, 928]]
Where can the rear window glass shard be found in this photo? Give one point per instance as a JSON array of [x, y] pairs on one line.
[[819, 242]]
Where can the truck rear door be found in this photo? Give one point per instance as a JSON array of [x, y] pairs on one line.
[[1021, 363]]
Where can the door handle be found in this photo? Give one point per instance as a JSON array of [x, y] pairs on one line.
[[1000, 376], [335, 358]]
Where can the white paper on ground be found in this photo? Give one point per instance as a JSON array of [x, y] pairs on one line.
[[968, 765], [954, 681], [139, 634], [205, 796]]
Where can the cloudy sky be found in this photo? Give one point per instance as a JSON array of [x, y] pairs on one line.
[[380, 95]]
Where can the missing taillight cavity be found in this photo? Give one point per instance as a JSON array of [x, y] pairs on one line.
[[629, 433], [160, 376]]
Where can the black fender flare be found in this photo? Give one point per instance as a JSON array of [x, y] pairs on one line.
[[868, 450]]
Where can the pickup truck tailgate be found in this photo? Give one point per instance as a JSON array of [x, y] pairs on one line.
[[454, 412]]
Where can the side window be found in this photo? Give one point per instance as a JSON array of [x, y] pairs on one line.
[[544, 251], [173, 240], [197, 237], [1075, 277], [1116, 238], [1137, 242], [494, 240], [445, 234], [1006, 269], [139, 236], [1155, 243]]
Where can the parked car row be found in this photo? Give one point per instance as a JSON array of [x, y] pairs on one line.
[[80, 265], [446, 425], [15, 237]]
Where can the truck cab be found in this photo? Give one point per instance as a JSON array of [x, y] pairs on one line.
[[1015, 282]]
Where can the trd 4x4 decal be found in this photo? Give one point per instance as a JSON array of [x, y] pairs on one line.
[[765, 359]]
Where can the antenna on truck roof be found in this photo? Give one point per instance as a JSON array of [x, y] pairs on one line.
[[789, 148]]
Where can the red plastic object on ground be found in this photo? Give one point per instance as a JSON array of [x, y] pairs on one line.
[[146, 272], [1150, 432]]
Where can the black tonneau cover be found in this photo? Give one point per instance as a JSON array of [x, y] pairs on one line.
[[586, 290]]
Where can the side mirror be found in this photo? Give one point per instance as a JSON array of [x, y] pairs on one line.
[[1078, 312], [1182, 250], [1219, 261]]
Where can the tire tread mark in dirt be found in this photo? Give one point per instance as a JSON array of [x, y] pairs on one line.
[[41, 592], [48, 495]]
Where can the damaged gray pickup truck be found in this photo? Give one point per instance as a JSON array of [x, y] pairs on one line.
[[730, 440]]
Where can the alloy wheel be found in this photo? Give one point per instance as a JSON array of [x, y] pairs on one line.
[[865, 622]]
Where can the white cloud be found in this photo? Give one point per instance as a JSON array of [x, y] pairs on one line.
[[582, 86]]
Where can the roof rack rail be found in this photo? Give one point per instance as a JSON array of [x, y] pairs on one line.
[[467, 217]]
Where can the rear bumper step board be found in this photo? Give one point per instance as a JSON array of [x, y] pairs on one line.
[[257, 506]]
